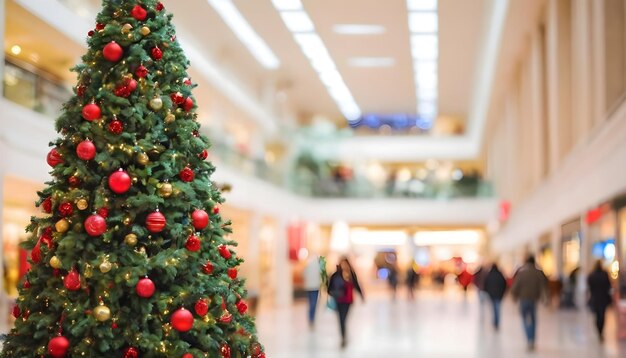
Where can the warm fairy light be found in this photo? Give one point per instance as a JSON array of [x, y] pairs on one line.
[[16, 50]]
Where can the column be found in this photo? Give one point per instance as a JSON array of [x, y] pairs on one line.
[[3, 15], [598, 53], [558, 45], [4, 304], [537, 148], [282, 267], [581, 66]]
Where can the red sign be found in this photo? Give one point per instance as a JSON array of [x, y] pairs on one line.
[[505, 210]]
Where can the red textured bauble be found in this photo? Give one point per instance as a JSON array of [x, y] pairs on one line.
[[193, 243], [155, 222], [224, 252], [26, 284], [216, 210], [226, 317], [35, 254], [116, 127], [16, 311], [72, 281], [201, 307], [177, 98], [104, 212], [91, 33], [66, 209], [208, 268], [54, 158], [58, 347], [114, 325], [262, 355], [182, 320], [187, 355], [186, 175], [80, 90], [95, 225], [199, 219], [139, 13], [141, 71], [242, 307], [46, 205], [91, 112], [86, 150], [74, 181], [120, 182], [232, 273], [112, 52], [204, 154], [99, 26], [187, 81], [157, 54], [225, 350], [131, 84], [131, 352], [256, 349], [145, 288], [195, 133], [188, 105], [122, 91], [159, 6]]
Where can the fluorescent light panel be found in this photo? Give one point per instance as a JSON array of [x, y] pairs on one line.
[[297, 21], [456, 237], [359, 29], [244, 32], [286, 5], [423, 22], [372, 61], [378, 238], [421, 5]]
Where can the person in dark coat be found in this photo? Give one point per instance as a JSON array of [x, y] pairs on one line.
[[495, 286], [599, 295], [341, 287]]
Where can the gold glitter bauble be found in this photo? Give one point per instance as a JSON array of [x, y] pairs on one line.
[[143, 159], [170, 118], [166, 190], [62, 225], [126, 221], [156, 103], [145, 31], [130, 239], [82, 204], [102, 313], [105, 267], [126, 28], [55, 262]]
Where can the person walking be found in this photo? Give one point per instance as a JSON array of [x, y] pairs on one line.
[[312, 283], [465, 279], [599, 295], [529, 286], [495, 287], [412, 279], [341, 287]]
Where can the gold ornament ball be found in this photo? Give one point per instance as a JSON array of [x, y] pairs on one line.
[[88, 271], [166, 190], [82, 204], [105, 267], [76, 139], [55, 262], [143, 159], [126, 28], [130, 239], [156, 103], [145, 31], [176, 191], [170, 118], [62, 225], [126, 221], [102, 313]]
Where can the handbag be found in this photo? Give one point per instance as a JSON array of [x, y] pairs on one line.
[[331, 303]]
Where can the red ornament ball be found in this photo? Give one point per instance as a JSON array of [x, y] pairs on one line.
[[95, 225], [157, 54], [74, 181], [188, 105], [99, 26], [104, 212], [91, 33], [80, 90], [242, 307], [26, 284], [35, 254], [193, 243], [177, 98], [199, 219], [208, 268], [216, 210], [232, 273], [16, 311], [112, 52], [141, 71], [54, 158], [120, 182], [72, 281], [131, 352], [201, 307], [224, 252], [131, 84], [66, 209], [92, 112], [116, 127], [58, 347], [114, 325], [225, 350], [187, 355], [159, 6], [182, 320], [145, 288], [122, 91], [86, 150], [139, 13], [226, 317], [204, 154], [187, 81], [155, 222], [46, 205], [187, 174]]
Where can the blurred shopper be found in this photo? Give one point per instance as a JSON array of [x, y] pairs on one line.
[[392, 278], [312, 282], [479, 281], [412, 279], [599, 295], [529, 286], [465, 279], [341, 288], [495, 287]]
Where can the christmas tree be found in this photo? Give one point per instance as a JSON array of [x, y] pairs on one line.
[[131, 259]]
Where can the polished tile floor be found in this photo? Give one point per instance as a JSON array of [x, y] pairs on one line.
[[436, 324]]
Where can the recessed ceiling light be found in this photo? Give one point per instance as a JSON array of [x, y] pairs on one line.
[[371, 61], [16, 50], [246, 34], [359, 29], [423, 22], [421, 5], [283, 5], [297, 21]]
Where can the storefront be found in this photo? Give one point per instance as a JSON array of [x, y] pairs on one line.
[[618, 269], [570, 247], [545, 257]]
